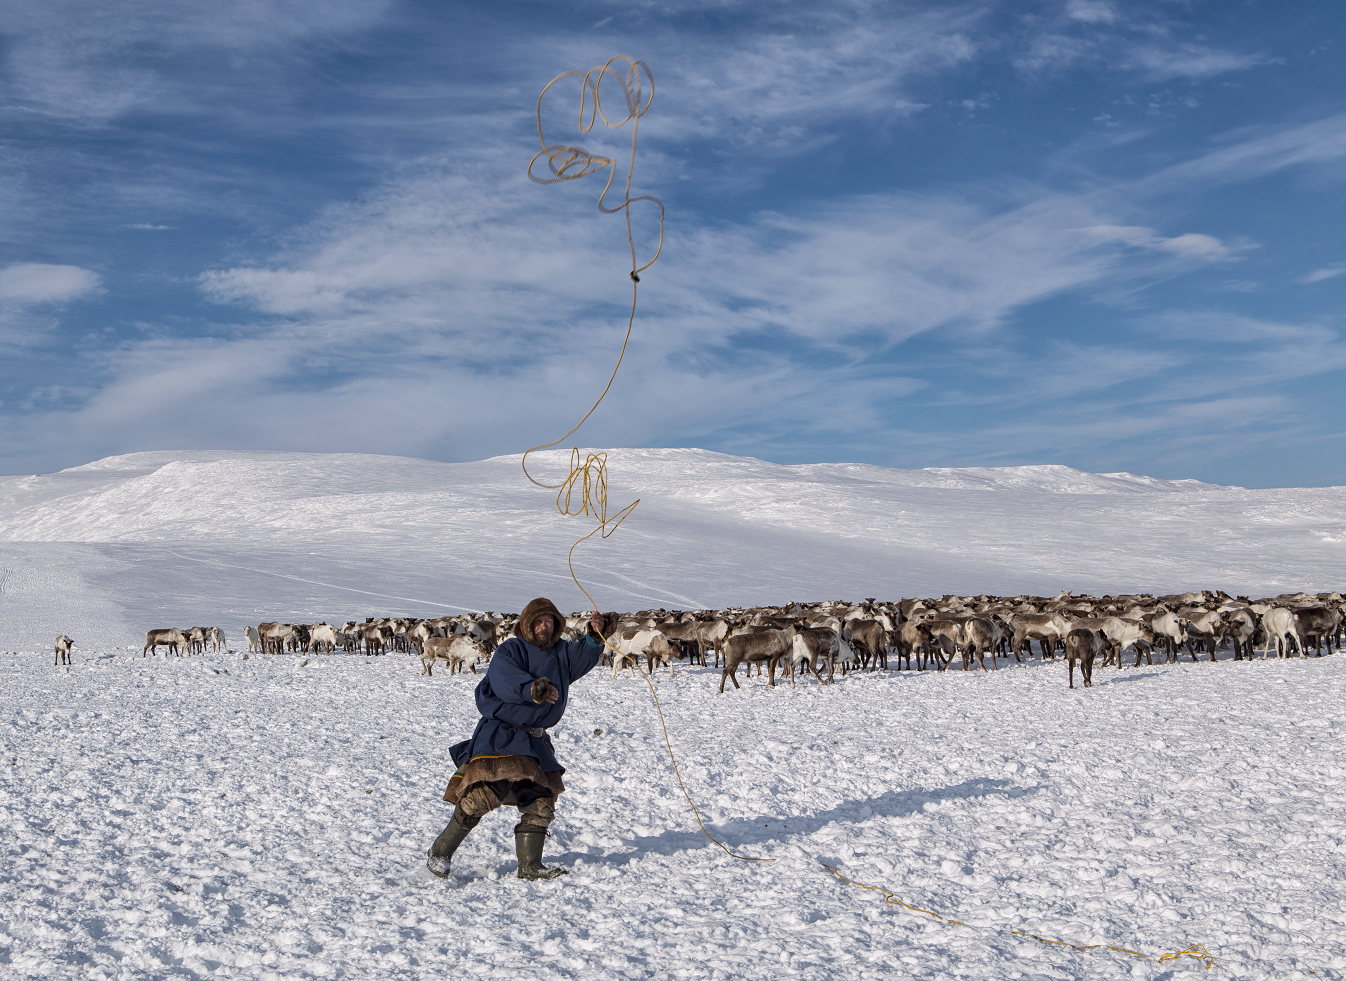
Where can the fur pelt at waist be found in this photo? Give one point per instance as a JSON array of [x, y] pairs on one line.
[[487, 769]]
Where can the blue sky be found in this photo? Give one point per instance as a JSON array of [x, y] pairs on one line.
[[1101, 234]]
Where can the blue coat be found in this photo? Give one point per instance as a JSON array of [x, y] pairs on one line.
[[504, 697]]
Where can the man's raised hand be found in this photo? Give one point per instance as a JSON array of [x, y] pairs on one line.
[[602, 624]]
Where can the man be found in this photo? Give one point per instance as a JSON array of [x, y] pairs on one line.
[[509, 759]]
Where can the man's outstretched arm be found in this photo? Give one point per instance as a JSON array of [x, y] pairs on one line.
[[584, 655]]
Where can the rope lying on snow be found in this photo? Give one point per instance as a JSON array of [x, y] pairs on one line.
[[1197, 951], [585, 488]]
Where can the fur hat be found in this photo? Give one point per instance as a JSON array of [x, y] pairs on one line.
[[539, 606]]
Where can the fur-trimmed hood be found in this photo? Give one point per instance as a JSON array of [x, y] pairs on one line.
[[524, 628]]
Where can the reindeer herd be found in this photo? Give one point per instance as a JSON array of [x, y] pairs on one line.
[[826, 637]]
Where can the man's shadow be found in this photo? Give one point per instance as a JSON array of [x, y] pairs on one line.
[[740, 832]]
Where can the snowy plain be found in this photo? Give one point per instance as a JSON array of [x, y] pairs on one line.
[[216, 817]]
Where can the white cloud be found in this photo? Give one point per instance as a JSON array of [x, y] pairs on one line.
[[1251, 156], [508, 265], [39, 282], [1054, 52], [782, 85], [1327, 272], [1191, 244], [1091, 11], [102, 61], [1219, 325], [1191, 61]]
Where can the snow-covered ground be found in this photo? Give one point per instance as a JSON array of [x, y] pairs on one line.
[[216, 817]]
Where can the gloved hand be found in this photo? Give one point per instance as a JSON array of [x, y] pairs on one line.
[[544, 691], [602, 625]]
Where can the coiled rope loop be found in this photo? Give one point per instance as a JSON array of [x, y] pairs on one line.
[[568, 163]]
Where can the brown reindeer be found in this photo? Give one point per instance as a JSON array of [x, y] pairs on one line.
[[1082, 645], [1316, 624], [870, 641], [767, 644], [914, 637], [172, 638]]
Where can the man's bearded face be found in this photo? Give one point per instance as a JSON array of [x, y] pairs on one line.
[[544, 627]]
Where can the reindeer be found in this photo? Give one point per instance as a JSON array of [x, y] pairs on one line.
[[980, 637], [711, 634], [1119, 632], [1240, 628], [813, 646], [869, 639], [682, 633], [1171, 628], [63, 645], [1204, 628], [484, 633], [1046, 628], [913, 635], [766, 644], [457, 652], [1082, 645], [1316, 623], [171, 638], [1278, 624], [322, 636], [631, 642]]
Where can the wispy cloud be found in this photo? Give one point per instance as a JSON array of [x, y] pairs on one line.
[[1136, 39], [1092, 11], [1253, 155], [1327, 272], [40, 282], [1191, 244], [108, 58], [1161, 64]]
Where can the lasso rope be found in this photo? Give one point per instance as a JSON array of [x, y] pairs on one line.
[[588, 477], [568, 163], [585, 489]]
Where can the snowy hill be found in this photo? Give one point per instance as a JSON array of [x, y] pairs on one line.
[[112, 547]]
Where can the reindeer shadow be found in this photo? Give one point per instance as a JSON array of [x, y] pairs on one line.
[[1115, 679], [739, 833]]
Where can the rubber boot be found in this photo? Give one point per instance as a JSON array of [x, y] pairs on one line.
[[528, 846], [441, 851]]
